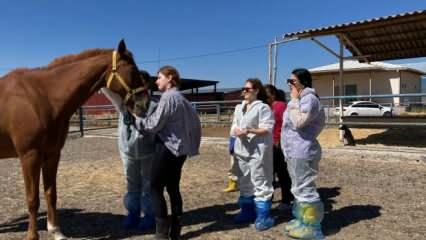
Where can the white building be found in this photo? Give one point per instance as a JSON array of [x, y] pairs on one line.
[[368, 79], [422, 67]]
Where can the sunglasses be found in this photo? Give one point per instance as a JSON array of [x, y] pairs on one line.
[[291, 81], [246, 89]]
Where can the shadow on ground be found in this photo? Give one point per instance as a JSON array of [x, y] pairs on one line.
[[96, 225], [336, 219], [408, 137], [75, 223]]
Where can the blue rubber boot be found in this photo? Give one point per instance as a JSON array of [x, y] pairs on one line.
[[148, 221], [264, 220], [132, 204], [311, 217], [247, 213]]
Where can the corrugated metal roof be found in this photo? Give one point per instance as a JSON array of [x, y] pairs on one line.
[[352, 65], [383, 38], [344, 25]]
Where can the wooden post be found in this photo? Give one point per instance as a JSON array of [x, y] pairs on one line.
[[81, 123]]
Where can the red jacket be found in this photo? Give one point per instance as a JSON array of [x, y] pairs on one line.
[[278, 108]]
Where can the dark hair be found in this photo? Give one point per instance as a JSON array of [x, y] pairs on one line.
[[257, 84], [171, 71], [271, 90], [281, 96], [304, 76]]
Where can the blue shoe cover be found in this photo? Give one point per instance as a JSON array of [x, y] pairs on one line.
[[263, 220], [247, 213]]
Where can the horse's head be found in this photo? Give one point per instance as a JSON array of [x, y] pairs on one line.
[[125, 79]]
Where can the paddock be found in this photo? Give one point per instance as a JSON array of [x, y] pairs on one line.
[[371, 191]]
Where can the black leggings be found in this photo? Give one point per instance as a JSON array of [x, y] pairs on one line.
[[166, 172], [280, 168]]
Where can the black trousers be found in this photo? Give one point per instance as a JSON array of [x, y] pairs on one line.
[[166, 173], [280, 169]]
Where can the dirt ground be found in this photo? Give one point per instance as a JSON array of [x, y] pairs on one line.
[[367, 194]]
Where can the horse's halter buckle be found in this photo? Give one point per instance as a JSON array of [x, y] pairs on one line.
[[115, 75]]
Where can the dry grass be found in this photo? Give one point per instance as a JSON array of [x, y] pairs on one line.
[[364, 198]]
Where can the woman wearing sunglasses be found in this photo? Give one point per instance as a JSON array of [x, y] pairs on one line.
[[252, 126], [303, 121]]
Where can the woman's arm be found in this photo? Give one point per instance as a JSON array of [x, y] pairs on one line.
[[302, 112], [257, 131], [234, 126], [156, 121], [266, 122]]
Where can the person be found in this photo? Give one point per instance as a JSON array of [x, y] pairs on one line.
[[137, 153], [232, 176], [178, 135], [277, 102], [303, 121], [252, 125]]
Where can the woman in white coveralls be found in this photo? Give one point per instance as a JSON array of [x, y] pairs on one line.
[[303, 121], [252, 125]]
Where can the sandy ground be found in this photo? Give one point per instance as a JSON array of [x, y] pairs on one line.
[[368, 194]]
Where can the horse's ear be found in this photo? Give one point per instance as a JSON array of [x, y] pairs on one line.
[[122, 46]]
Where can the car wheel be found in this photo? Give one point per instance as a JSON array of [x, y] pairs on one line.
[[354, 114], [387, 114]]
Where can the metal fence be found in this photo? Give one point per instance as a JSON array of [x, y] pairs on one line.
[[409, 112], [89, 118], [406, 110]]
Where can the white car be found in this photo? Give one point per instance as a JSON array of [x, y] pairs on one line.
[[365, 108]]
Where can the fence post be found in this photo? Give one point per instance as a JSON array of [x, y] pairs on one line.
[[80, 114], [218, 112]]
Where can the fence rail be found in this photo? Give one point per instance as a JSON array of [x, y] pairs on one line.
[[90, 118]]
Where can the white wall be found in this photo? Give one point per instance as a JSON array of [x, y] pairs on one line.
[[410, 83], [382, 82]]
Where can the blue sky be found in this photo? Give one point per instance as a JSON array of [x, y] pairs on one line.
[[36, 32]]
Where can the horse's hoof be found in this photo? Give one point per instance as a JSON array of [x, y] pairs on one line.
[[59, 236], [55, 231]]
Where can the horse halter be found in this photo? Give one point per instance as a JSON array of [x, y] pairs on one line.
[[115, 75]]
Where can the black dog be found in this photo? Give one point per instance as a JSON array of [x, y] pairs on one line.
[[348, 138]]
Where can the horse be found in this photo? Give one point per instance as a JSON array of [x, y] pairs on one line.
[[36, 106]]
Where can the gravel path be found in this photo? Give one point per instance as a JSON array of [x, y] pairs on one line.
[[367, 195]]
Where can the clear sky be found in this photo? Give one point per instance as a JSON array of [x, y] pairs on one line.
[[35, 32]]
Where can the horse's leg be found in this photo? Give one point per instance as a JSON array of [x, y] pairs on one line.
[[50, 169], [31, 165]]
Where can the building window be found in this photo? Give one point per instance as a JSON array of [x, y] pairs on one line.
[[350, 90]]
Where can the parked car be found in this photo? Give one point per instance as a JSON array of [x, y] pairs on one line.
[[365, 108]]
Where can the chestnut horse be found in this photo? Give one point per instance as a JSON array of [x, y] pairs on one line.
[[36, 106]]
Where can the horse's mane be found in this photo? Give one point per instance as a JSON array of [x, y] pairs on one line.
[[77, 57], [63, 60]]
